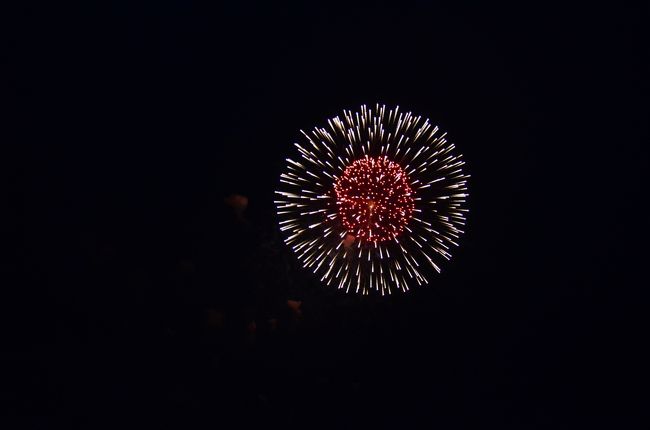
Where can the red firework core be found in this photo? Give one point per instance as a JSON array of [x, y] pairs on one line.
[[374, 198]]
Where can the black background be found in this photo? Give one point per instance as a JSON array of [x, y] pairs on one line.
[[133, 119]]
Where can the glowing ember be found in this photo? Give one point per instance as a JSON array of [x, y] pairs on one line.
[[374, 199]]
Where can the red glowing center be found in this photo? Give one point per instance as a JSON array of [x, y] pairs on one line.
[[374, 199]]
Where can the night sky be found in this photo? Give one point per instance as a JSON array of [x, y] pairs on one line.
[[134, 121]]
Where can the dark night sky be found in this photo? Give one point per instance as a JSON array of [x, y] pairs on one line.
[[135, 119]]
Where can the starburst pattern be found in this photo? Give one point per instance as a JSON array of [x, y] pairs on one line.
[[374, 200]]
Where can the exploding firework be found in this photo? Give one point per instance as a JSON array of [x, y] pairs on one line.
[[373, 200]]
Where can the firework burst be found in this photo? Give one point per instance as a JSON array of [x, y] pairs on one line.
[[373, 200]]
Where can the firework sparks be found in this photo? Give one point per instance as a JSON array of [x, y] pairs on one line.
[[374, 193], [373, 199]]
